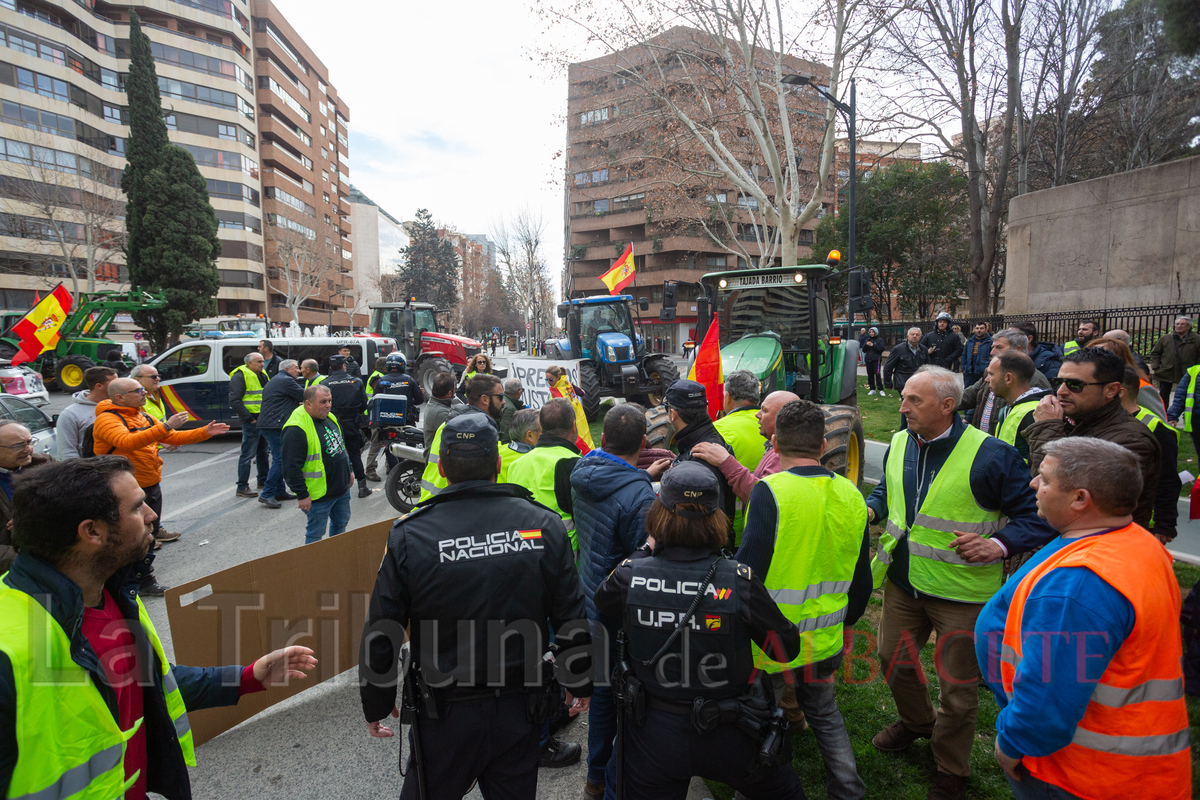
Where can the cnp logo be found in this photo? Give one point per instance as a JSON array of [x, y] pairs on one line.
[[690, 493], [465, 435]]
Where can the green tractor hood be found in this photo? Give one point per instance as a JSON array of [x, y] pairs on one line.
[[759, 353]]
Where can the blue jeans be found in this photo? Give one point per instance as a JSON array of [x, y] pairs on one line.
[[273, 486], [1030, 788], [253, 444], [332, 510], [816, 697]]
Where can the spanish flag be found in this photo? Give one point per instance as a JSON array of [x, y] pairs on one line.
[[622, 272], [583, 438], [38, 330], [706, 369]]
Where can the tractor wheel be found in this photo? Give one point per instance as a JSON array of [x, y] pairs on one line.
[[661, 371], [403, 485], [589, 382], [659, 431], [429, 370], [69, 373], [7, 351], [844, 437]]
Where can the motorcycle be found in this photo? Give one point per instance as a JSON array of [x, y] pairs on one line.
[[403, 483]]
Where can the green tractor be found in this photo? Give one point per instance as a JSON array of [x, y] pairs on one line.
[[777, 323], [82, 343], [615, 361]]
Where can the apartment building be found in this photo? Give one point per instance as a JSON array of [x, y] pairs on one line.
[[620, 190], [64, 122], [379, 238], [304, 131]]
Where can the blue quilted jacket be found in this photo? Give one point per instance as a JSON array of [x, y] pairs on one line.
[[610, 500]]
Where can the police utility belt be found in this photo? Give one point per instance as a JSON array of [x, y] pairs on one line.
[[431, 702], [754, 712]]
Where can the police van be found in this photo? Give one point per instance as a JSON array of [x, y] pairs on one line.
[[195, 374]]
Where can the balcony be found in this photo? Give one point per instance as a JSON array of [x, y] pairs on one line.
[[276, 150]]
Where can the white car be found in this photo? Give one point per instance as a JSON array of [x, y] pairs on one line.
[[23, 382], [45, 438]]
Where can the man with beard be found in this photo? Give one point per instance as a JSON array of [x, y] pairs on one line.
[[69, 608], [484, 396]]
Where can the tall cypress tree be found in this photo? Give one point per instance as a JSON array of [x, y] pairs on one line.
[[172, 228], [144, 147]]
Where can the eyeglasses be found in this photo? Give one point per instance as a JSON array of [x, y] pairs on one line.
[[152, 377], [19, 445], [1074, 385], [491, 394], [139, 390]]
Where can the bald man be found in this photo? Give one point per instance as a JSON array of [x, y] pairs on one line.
[[742, 480]]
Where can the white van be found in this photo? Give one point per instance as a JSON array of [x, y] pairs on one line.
[[195, 374]]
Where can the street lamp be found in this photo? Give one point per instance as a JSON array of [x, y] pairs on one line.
[[847, 112]]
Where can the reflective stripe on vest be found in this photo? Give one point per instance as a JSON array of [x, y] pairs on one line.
[[1189, 403], [818, 535], [507, 456], [1137, 710], [1070, 347], [949, 506], [252, 399], [535, 471], [86, 757], [314, 465], [432, 481], [1153, 421], [1008, 428]]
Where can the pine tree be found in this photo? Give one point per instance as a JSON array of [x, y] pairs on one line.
[[430, 271], [143, 148], [181, 242]]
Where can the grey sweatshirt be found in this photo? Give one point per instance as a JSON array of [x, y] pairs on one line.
[[71, 423]]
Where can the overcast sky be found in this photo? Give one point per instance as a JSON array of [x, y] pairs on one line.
[[447, 110]]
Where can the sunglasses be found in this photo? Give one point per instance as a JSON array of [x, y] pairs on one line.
[[1074, 385]]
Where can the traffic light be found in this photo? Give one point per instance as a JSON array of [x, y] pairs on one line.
[[669, 302], [860, 291]]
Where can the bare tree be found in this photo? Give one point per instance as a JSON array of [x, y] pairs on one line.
[[76, 204], [303, 266], [715, 107], [519, 254], [357, 304]]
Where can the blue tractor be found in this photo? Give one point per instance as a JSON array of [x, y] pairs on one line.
[[615, 362]]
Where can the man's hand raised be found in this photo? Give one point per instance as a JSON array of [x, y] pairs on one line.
[[214, 428], [276, 667], [177, 421]]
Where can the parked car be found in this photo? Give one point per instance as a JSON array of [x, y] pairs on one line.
[[23, 382], [45, 439]]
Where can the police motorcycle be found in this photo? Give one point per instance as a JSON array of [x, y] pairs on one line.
[[405, 443]]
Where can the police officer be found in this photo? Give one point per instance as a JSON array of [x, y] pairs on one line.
[[477, 556], [349, 400], [395, 382], [699, 712], [687, 409], [347, 353], [373, 454]]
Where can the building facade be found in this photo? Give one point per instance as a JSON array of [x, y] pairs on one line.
[[379, 238], [304, 131], [64, 123], [618, 192]]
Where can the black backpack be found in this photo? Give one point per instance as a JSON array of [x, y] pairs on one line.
[[87, 442]]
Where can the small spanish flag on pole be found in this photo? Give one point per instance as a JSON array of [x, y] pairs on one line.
[[706, 369], [38, 329], [622, 272]]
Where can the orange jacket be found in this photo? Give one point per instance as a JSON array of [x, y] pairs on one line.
[[1133, 738], [139, 441]]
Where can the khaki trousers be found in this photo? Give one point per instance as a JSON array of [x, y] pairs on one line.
[[904, 629]]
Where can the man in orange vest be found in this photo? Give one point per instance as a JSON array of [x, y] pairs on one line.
[[1081, 646]]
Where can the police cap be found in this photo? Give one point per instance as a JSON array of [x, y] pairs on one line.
[[469, 435], [686, 394], [690, 482], [337, 361]]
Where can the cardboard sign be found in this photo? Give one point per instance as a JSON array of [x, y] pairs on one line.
[[532, 372], [316, 595]]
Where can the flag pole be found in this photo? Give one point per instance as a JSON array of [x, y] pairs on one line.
[[636, 304]]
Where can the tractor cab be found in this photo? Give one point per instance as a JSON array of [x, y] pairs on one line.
[[600, 329]]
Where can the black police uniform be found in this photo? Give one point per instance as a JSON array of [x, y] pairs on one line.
[[484, 555], [688, 394], [349, 400], [401, 383], [711, 661]]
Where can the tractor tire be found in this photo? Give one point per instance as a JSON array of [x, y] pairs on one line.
[[844, 449], [659, 370], [403, 485], [428, 370], [7, 351], [659, 431], [69, 373], [589, 382]]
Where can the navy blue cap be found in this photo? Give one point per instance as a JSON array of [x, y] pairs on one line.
[[686, 394], [690, 482], [469, 435], [337, 361]]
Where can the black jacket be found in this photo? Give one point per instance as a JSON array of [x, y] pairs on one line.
[[402, 384], [872, 347], [481, 552], [280, 397], [901, 364], [271, 369], [208, 687], [705, 431], [947, 346], [349, 396]]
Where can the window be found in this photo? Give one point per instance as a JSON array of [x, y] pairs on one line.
[[714, 261], [324, 135], [235, 220], [328, 221], [324, 154], [27, 415], [232, 190], [234, 356], [600, 176], [593, 117], [284, 222], [275, 193], [186, 362], [113, 114], [267, 82], [325, 175], [601, 206], [325, 196], [629, 201], [747, 202], [227, 131], [719, 197]]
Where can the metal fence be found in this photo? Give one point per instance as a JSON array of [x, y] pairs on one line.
[[1144, 324]]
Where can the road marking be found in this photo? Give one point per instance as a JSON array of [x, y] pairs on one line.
[[175, 512], [227, 455]]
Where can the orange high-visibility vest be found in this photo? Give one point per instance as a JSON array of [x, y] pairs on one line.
[[1133, 738]]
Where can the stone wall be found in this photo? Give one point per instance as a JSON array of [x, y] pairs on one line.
[[1128, 239]]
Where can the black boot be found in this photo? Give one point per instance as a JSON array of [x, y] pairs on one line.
[[363, 489]]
